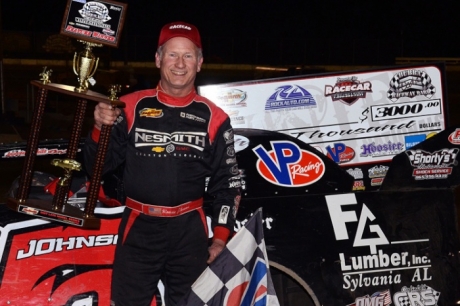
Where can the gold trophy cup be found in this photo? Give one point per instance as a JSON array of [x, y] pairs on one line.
[[85, 65]]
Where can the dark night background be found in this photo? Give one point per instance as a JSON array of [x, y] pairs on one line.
[[370, 31]]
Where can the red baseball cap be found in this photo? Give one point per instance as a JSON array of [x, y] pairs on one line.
[[180, 29]]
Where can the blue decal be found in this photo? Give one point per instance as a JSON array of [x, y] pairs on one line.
[[290, 96], [413, 140]]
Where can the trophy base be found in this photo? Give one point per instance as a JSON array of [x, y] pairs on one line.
[[44, 209]]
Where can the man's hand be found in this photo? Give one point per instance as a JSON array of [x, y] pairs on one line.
[[105, 114], [216, 247]]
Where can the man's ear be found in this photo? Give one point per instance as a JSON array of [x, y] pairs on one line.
[[157, 60], [200, 62]]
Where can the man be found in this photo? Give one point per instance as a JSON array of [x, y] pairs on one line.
[[170, 140]]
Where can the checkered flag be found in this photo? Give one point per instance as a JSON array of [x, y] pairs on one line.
[[240, 275]]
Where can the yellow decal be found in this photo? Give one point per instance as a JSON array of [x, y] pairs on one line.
[[151, 113], [158, 149]]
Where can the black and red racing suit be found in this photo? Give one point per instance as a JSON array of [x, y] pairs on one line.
[[173, 150]]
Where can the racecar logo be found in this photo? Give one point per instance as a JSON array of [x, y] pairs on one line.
[[348, 90], [287, 165], [290, 96], [151, 113]]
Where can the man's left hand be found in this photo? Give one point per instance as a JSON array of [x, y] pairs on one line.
[[216, 247]]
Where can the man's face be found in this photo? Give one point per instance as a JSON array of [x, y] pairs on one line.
[[178, 63]]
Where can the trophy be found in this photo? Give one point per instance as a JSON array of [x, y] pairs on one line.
[[85, 65], [95, 23]]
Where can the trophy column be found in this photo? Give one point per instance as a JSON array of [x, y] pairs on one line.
[[63, 186], [31, 149]]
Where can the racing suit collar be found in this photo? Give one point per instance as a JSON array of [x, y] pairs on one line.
[[175, 101]]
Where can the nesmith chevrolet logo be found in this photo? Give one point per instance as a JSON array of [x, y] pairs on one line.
[[290, 96], [287, 165], [147, 138]]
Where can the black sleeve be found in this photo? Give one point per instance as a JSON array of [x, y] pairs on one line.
[[224, 184]]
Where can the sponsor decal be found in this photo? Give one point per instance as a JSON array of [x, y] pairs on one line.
[[40, 247], [436, 165], [389, 148], [412, 140], [151, 113], [180, 26], [192, 117], [340, 153], [421, 295], [235, 118], [378, 171], [158, 149], [378, 268], [40, 152], [358, 185], [454, 137], [410, 83], [95, 12], [234, 170], [234, 183], [108, 32], [290, 96], [241, 143], [406, 110], [348, 90], [377, 181], [357, 173], [287, 165], [242, 180], [149, 138], [230, 161], [229, 136], [267, 222], [231, 150], [223, 215], [379, 298], [232, 98]]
